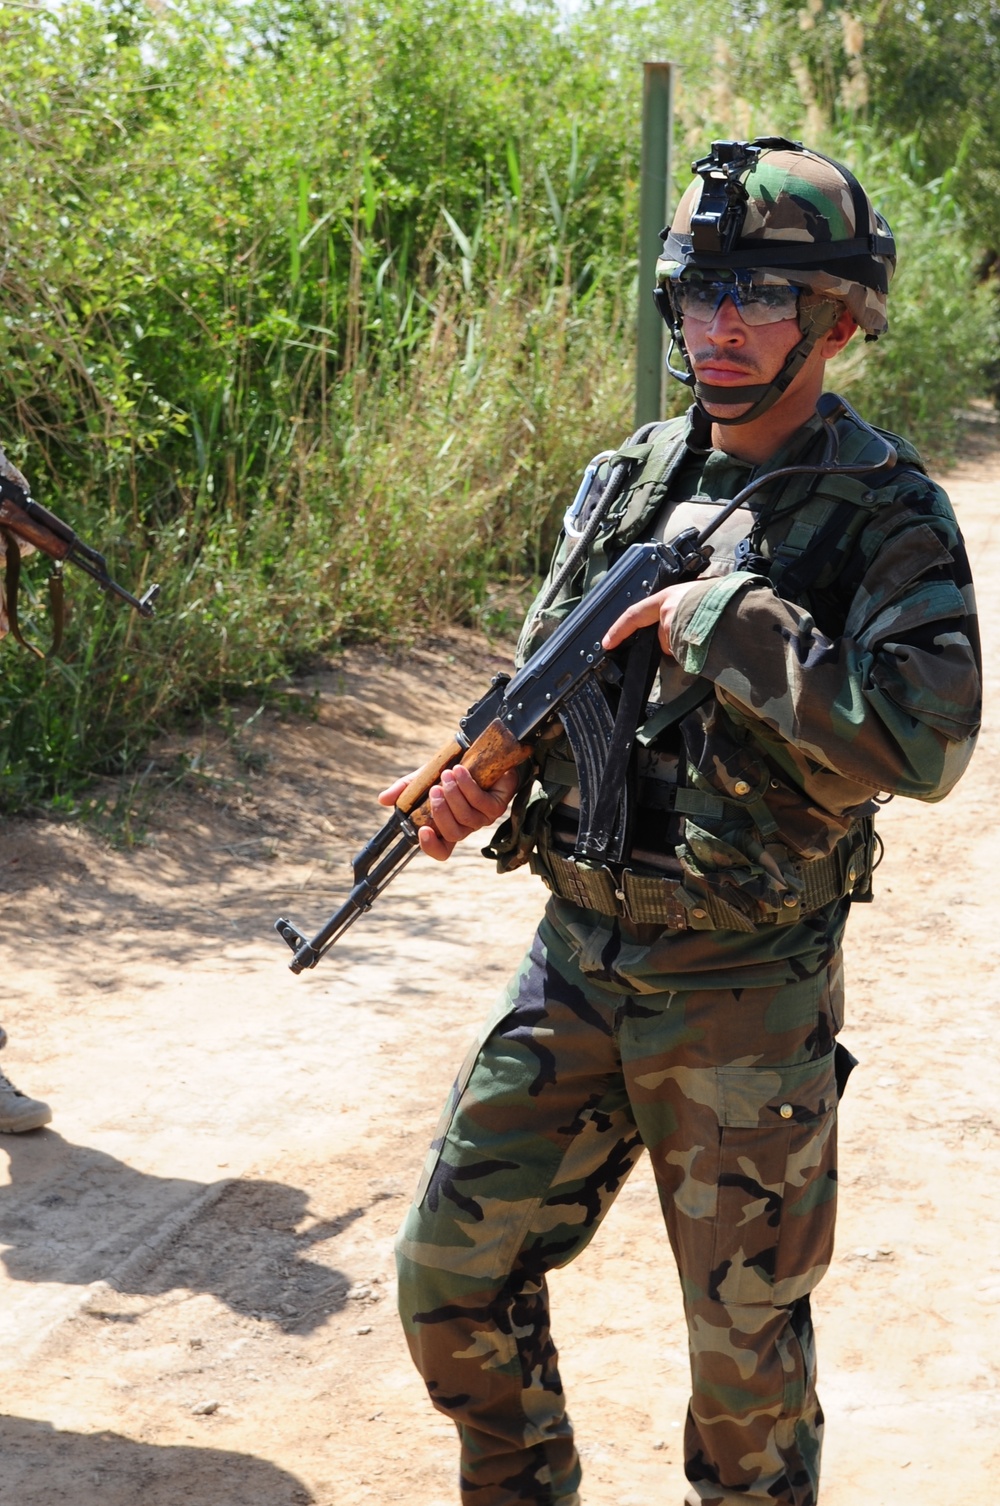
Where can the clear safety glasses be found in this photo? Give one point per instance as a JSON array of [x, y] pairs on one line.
[[758, 302]]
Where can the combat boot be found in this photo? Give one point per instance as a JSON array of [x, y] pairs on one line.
[[18, 1112]]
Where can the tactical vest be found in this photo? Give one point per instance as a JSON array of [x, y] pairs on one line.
[[808, 546]]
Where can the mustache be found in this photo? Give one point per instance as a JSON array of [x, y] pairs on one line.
[[731, 358]]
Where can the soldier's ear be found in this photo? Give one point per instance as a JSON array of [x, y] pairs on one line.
[[839, 333]]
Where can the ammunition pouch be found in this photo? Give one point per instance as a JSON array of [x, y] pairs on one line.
[[703, 902]]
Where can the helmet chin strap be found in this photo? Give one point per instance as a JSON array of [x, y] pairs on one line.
[[760, 395], [815, 319]]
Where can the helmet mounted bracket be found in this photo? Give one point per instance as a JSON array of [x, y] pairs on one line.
[[718, 222]]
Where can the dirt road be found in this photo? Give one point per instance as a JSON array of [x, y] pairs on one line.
[[196, 1274]]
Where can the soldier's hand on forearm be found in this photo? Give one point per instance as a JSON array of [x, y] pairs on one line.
[[459, 807], [658, 608]]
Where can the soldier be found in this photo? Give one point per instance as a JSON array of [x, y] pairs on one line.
[[18, 1112], [688, 1002]]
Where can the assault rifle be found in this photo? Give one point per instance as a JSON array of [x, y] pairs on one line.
[[23, 520], [571, 680]]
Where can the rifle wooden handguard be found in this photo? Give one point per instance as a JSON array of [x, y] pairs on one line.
[[494, 752], [23, 526]]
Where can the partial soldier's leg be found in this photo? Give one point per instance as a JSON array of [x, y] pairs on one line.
[[534, 1147], [18, 1112], [734, 1094]]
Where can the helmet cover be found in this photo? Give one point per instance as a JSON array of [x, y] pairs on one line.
[[804, 218]]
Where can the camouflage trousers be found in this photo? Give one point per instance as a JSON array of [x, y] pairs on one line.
[[732, 1092]]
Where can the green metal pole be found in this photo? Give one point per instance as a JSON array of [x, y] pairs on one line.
[[654, 212]]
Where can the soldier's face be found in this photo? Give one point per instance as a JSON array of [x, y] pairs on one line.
[[724, 351]]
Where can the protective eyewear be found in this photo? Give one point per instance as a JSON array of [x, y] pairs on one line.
[[757, 302]]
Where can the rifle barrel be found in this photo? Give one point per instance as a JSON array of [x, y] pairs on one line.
[[361, 898]]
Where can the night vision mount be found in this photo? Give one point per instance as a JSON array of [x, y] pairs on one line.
[[717, 224], [718, 221]]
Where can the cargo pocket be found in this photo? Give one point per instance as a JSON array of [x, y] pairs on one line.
[[777, 1181]]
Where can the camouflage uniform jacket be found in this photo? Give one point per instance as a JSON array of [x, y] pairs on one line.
[[843, 663]]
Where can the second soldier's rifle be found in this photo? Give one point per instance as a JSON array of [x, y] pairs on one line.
[[23, 521], [571, 680]]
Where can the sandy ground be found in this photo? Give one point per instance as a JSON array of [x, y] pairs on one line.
[[197, 1290]]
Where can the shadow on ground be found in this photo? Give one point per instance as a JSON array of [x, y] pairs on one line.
[[43, 1466], [75, 1216]]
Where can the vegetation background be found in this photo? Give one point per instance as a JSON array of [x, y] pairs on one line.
[[314, 311]]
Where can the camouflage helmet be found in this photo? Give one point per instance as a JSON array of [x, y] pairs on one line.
[[774, 205]]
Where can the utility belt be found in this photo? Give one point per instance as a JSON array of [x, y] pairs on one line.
[[691, 903]]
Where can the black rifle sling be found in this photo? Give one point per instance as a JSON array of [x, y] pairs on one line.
[[57, 604], [604, 831]]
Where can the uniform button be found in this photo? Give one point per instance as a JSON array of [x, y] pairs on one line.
[[775, 784], [786, 1111], [741, 787], [699, 914], [852, 874], [791, 900]]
